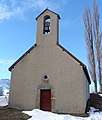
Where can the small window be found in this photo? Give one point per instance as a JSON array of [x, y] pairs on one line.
[[47, 24], [45, 77]]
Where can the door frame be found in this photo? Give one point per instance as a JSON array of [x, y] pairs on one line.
[[42, 100], [46, 86]]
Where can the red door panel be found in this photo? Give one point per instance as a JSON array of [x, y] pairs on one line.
[[45, 100]]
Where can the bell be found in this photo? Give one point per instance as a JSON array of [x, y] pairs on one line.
[[47, 27]]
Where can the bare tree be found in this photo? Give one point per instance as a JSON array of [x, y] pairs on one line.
[[90, 45], [93, 39], [100, 72], [97, 42]]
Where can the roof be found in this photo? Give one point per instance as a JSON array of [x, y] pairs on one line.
[[63, 49], [80, 63], [50, 11]]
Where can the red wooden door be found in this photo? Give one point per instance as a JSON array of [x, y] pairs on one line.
[[45, 100]]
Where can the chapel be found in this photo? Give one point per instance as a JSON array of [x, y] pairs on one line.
[[47, 76]]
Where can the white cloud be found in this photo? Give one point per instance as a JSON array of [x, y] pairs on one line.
[[18, 8], [11, 9], [4, 12]]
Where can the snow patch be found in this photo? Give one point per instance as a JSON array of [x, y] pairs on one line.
[[42, 115], [4, 100], [100, 95], [94, 114], [37, 114]]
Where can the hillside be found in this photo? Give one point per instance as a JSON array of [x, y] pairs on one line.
[[4, 86]]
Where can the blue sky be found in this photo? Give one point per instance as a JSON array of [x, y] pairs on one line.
[[18, 27]]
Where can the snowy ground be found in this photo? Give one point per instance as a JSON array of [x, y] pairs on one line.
[[42, 115], [4, 100]]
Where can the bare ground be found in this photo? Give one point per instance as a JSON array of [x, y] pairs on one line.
[[12, 114]]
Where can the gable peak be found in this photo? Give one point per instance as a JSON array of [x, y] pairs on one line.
[[50, 11]]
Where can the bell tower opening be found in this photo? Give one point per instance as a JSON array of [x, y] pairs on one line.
[[46, 27]]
